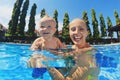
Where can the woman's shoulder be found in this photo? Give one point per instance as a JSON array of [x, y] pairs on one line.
[[87, 49], [73, 46]]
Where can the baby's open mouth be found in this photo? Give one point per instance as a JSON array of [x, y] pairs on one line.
[[46, 33]]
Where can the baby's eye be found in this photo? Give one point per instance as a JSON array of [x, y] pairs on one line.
[[49, 26], [73, 29], [42, 26]]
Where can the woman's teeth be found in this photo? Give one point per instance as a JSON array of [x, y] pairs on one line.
[[77, 37]]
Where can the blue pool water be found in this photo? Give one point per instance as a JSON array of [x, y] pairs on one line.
[[13, 66]]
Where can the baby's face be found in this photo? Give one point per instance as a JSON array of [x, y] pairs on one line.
[[47, 29], [78, 32]]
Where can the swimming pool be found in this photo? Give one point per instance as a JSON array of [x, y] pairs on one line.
[[13, 64]]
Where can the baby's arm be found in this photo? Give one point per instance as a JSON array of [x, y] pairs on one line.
[[60, 44], [36, 44]]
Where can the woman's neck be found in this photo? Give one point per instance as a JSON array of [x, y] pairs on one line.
[[83, 45]]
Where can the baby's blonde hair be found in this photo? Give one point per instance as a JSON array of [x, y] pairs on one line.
[[47, 18]]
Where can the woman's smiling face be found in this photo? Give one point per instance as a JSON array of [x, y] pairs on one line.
[[78, 31]]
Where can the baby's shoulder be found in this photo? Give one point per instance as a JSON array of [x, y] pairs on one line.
[[56, 39], [39, 39]]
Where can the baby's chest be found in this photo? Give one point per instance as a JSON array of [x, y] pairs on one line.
[[51, 45]]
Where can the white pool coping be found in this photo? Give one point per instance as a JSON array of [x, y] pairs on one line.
[[15, 43], [67, 45], [107, 44]]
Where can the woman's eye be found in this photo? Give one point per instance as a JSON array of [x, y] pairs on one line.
[[81, 29], [73, 29]]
